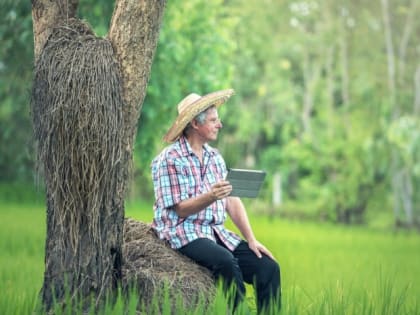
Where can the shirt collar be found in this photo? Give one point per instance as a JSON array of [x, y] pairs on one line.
[[186, 149]]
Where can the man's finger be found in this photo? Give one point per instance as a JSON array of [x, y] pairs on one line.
[[257, 252], [267, 252]]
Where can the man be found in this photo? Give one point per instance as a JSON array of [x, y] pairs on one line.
[[192, 202]]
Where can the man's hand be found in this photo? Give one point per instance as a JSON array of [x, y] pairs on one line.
[[221, 190], [259, 249], [196, 204]]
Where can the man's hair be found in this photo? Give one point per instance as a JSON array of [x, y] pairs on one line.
[[200, 118]]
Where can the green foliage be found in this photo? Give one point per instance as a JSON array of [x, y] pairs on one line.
[[328, 176], [315, 108], [404, 134], [97, 14], [195, 45], [16, 54]]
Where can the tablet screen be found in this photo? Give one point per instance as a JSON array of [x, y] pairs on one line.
[[245, 183]]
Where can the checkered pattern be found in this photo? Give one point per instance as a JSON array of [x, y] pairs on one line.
[[178, 175]]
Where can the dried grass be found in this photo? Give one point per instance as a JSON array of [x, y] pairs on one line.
[[150, 263]]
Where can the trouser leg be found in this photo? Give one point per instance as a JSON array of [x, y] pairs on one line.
[[221, 262], [263, 273]]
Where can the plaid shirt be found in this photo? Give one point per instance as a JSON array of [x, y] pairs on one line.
[[178, 175]]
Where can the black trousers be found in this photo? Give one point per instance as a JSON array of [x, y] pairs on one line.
[[237, 267]]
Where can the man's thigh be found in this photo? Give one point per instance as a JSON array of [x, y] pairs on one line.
[[206, 252]]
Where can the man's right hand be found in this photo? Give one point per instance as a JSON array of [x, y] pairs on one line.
[[221, 190], [193, 205]]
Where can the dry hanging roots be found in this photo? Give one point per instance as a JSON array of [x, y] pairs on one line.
[[77, 111]]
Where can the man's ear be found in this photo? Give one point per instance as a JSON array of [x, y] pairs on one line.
[[194, 124]]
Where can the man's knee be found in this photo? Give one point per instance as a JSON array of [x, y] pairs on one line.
[[226, 264]]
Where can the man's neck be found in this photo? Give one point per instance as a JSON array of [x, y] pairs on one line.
[[196, 145]]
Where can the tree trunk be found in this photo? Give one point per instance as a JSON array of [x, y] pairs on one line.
[[395, 160], [345, 77], [329, 68], [307, 96], [401, 177], [83, 257], [416, 105], [407, 177], [311, 72], [402, 51], [277, 196]]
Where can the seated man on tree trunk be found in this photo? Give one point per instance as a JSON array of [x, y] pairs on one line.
[[192, 202]]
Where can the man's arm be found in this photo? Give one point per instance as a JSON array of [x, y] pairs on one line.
[[193, 205], [237, 212]]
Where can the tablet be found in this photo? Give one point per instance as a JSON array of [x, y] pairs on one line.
[[245, 183]]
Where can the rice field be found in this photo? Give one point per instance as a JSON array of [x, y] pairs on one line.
[[326, 269]]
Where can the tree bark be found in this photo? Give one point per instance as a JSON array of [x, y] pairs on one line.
[[45, 15], [85, 260]]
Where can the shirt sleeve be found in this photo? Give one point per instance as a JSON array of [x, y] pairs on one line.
[[172, 185], [221, 165]]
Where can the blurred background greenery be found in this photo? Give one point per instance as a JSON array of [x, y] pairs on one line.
[[327, 100]]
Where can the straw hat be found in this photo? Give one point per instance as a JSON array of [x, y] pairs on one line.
[[191, 106]]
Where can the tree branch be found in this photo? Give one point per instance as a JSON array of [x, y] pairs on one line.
[[134, 33]]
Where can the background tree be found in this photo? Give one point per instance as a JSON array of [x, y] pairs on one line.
[[312, 83], [86, 100], [402, 148]]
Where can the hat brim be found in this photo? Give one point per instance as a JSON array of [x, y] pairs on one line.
[[215, 98]]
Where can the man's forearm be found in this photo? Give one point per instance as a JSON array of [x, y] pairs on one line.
[[238, 214], [194, 205]]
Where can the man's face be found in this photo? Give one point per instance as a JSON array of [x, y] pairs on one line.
[[210, 129]]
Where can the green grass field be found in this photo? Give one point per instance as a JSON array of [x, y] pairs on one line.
[[326, 269]]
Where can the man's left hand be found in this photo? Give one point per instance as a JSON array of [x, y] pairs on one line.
[[259, 249]]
